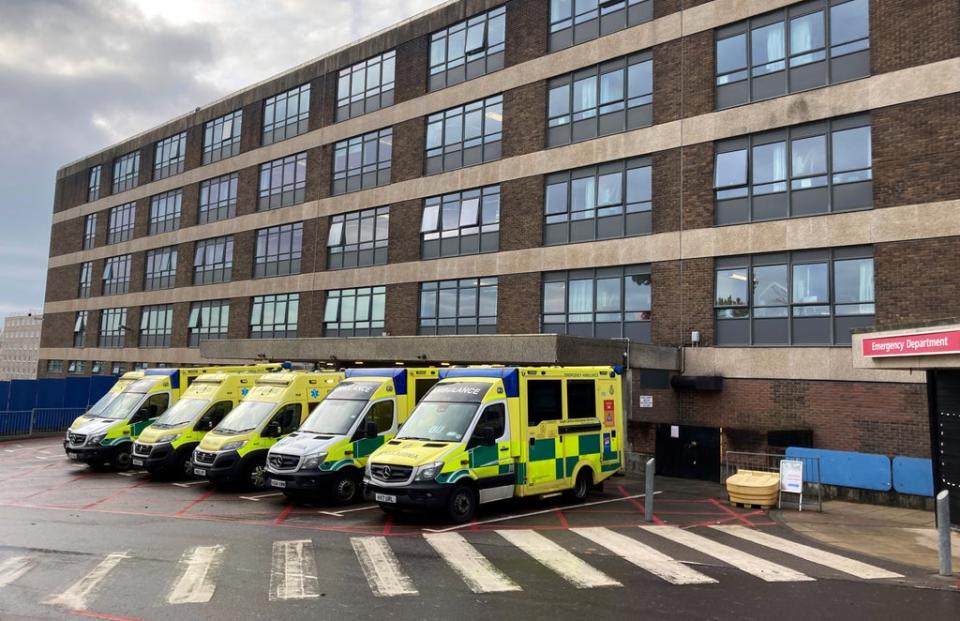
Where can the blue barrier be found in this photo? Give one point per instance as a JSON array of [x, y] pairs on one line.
[[15, 423], [54, 419], [4, 395], [23, 395], [913, 475], [47, 404], [846, 469], [50, 393]]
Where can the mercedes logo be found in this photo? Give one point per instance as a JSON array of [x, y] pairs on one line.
[[386, 472]]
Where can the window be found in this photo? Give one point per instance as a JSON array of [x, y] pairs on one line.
[[599, 202], [213, 260], [467, 306], [805, 46], [612, 302], [274, 316], [278, 250], [209, 321], [161, 272], [169, 155], [54, 366], [581, 399], [93, 191], [468, 49], [461, 223], [798, 171], [113, 327], [366, 86], [86, 279], [97, 367], [381, 414], [286, 115], [358, 238], [90, 231], [116, 275], [156, 325], [165, 212], [221, 137], [80, 329], [810, 297], [605, 99], [573, 22], [283, 182], [121, 223], [218, 198], [362, 162], [354, 312], [126, 172], [77, 366], [544, 401], [465, 135]]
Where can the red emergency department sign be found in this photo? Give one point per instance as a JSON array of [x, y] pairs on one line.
[[608, 413], [926, 344]]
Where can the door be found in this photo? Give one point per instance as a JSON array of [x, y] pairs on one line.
[[544, 466], [944, 403], [688, 452], [155, 405], [383, 415], [492, 463]]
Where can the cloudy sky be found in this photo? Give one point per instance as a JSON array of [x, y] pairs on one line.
[[79, 75]]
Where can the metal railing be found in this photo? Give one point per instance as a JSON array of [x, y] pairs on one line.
[[735, 461], [25, 423]]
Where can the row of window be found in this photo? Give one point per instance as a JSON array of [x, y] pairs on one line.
[[810, 297]]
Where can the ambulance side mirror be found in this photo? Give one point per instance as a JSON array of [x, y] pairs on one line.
[[371, 430], [141, 415], [273, 429], [205, 424]]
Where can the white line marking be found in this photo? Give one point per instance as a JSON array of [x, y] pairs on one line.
[[808, 553], [189, 483], [132, 474], [40, 458], [507, 518], [381, 567], [199, 568], [12, 568], [553, 557], [644, 557], [293, 574], [479, 574], [755, 566], [345, 511], [259, 496], [75, 597]]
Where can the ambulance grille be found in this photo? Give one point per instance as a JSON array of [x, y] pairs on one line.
[[283, 462], [143, 450], [202, 457], [76, 438], [391, 474]]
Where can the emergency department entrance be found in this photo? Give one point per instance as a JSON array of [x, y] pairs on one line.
[[943, 393]]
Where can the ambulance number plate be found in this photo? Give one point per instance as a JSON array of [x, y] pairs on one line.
[[200, 472], [276, 483], [73, 456], [385, 498]]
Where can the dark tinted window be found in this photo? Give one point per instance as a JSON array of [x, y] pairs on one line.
[[544, 401], [581, 399]]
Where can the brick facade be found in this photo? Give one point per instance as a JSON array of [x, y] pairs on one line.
[[917, 281]]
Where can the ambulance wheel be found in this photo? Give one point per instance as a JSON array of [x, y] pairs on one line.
[[346, 487], [183, 467], [462, 504], [121, 458], [255, 474], [581, 488]]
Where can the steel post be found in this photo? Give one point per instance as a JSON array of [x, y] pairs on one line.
[[943, 532], [648, 493]]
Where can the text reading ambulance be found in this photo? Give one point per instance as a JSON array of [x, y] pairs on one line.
[[107, 434], [326, 456], [166, 446], [235, 451], [484, 434]]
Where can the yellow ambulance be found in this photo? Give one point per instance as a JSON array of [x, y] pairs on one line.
[[326, 456], [483, 434], [235, 451], [166, 446], [107, 434]]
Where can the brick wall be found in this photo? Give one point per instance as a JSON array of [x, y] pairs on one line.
[[698, 74], [698, 199], [404, 237], [409, 140], [403, 301], [907, 33], [666, 191], [521, 213], [518, 303], [917, 280], [524, 130]]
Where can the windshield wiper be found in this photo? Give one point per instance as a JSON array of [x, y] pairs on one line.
[[416, 438]]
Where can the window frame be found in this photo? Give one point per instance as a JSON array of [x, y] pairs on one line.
[[286, 329], [575, 322], [292, 188], [278, 261], [365, 320], [369, 97], [89, 231], [587, 24], [120, 223], [165, 212], [156, 277], [85, 280], [93, 182], [342, 253], [363, 175], [169, 156], [218, 270], [215, 150], [483, 57], [276, 128], [116, 274], [476, 323], [213, 207], [156, 325], [480, 236], [126, 172], [113, 328], [453, 152], [80, 325], [201, 325]]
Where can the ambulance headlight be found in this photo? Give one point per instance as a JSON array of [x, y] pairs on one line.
[[232, 446], [96, 439], [313, 461], [429, 472], [170, 437]]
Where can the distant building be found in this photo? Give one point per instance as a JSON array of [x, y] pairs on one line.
[[20, 346]]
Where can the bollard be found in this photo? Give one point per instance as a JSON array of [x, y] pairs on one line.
[[648, 494], [943, 530]]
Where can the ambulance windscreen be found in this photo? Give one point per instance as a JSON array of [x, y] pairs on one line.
[[458, 392], [445, 413], [355, 391]]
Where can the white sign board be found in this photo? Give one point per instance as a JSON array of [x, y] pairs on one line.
[[674, 431], [791, 476], [646, 401]]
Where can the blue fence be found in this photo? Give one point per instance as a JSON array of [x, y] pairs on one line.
[[47, 405], [906, 475]]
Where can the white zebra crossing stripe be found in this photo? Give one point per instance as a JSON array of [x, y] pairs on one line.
[[644, 557], [293, 573], [553, 557], [13, 568], [809, 553], [381, 567], [199, 568], [479, 574], [755, 566], [85, 588]]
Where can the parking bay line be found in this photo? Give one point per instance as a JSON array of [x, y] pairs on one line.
[[199, 568], [532, 513], [345, 511], [76, 596], [258, 497], [381, 567], [13, 568], [189, 483], [293, 573]]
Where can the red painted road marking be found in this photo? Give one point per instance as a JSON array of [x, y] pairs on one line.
[[562, 518], [100, 615], [56, 487], [727, 519], [729, 511], [283, 514], [639, 505], [119, 493], [388, 525], [195, 502]]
